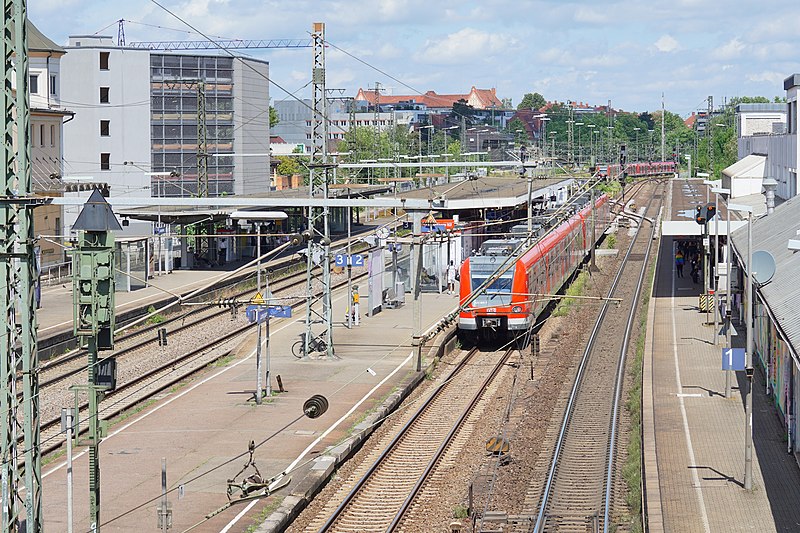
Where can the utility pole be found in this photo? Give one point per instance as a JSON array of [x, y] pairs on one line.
[[318, 181], [93, 319], [710, 134], [17, 276], [570, 135], [663, 129]]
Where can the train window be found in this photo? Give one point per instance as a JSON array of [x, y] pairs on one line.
[[499, 292]]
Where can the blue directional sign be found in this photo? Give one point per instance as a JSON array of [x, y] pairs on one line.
[[733, 359], [280, 311], [341, 260], [259, 313]]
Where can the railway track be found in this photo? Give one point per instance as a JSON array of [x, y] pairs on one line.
[[577, 494], [61, 368], [147, 383], [384, 487]]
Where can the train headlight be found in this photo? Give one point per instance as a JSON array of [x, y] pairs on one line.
[[516, 309]]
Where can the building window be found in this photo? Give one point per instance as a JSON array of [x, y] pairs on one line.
[[41, 134], [33, 81], [104, 95], [105, 161], [52, 135], [104, 60], [53, 85], [105, 128]]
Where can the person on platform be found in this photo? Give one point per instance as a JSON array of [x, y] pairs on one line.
[[222, 249], [679, 262], [451, 278]]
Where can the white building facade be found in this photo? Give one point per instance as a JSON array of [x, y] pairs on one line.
[[136, 121], [761, 133]]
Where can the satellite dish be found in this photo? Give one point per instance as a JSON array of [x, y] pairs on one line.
[[763, 267]]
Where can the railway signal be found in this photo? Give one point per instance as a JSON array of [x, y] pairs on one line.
[[704, 213], [93, 320]]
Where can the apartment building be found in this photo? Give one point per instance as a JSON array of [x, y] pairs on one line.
[[136, 119]]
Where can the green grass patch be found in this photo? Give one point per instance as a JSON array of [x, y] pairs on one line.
[[157, 318], [576, 288], [130, 412], [612, 187], [265, 512], [53, 457], [222, 361], [610, 241], [632, 469], [460, 511]]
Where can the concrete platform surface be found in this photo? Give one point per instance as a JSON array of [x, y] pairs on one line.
[[694, 436], [204, 428]]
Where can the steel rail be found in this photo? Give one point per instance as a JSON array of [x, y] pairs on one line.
[[446, 442], [540, 518], [620, 379], [403, 432]]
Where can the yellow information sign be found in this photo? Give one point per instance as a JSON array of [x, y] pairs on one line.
[[258, 299]]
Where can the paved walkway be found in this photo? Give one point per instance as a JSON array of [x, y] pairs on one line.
[[200, 429], [55, 314], [694, 436]]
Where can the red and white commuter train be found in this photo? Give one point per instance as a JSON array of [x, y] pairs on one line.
[[509, 305]]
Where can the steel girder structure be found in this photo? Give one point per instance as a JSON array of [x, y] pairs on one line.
[[17, 275], [318, 251]]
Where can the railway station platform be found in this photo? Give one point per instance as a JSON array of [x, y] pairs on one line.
[[203, 428], [694, 437]]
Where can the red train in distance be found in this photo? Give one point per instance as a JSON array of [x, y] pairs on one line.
[[638, 170], [509, 307]]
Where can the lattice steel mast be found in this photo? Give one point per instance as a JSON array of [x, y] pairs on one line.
[[318, 180], [17, 275]]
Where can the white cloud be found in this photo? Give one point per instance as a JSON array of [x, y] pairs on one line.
[[730, 50], [590, 15], [666, 43], [568, 58], [771, 77], [466, 45]]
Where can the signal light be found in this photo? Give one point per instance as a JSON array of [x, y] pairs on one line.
[[701, 217], [711, 211]]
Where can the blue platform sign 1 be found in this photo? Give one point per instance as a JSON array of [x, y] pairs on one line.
[[259, 313], [341, 260], [733, 359]]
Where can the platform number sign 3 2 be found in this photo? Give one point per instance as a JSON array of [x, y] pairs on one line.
[[356, 260]]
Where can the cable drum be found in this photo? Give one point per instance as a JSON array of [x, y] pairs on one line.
[[315, 406]]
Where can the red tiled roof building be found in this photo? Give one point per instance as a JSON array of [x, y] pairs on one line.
[[477, 98]]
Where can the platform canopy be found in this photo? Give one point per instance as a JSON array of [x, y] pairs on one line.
[[688, 228], [745, 176]]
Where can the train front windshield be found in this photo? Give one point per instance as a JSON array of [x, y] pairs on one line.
[[498, 293]]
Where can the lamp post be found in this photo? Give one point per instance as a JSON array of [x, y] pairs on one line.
[[591, 143], [748, 406], [727, 318], [544, 120], [579, 124]]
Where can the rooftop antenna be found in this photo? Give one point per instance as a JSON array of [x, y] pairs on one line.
[[121, 32]]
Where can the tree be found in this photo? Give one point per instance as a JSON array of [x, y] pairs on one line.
[[532, 101], [517, 128], [273, 117], [462, 109], [288, 166]]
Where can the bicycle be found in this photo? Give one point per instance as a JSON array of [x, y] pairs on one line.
[[316, 344]]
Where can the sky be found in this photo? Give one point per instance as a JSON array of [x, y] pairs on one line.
[[628, 51]]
